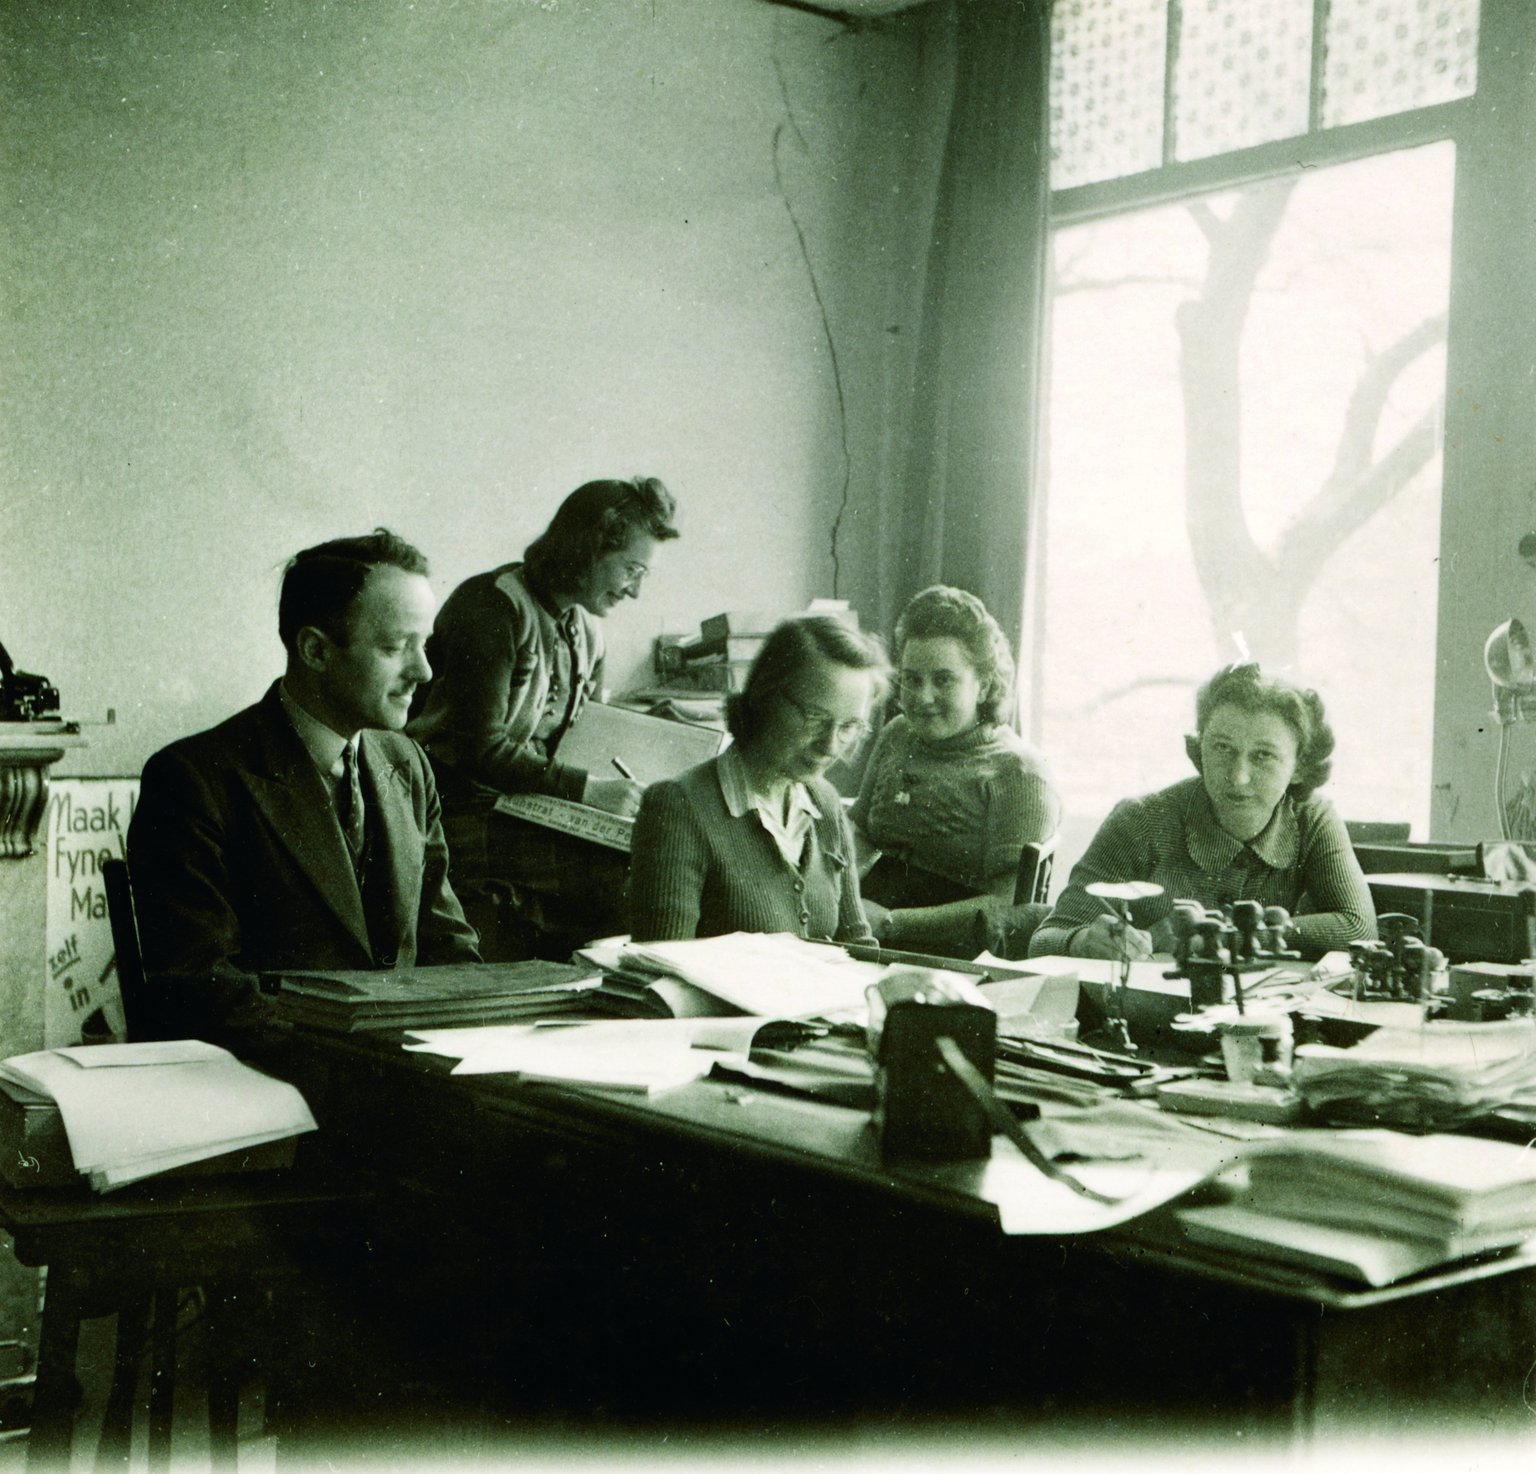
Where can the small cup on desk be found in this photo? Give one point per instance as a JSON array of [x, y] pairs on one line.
[[1257, 1051]]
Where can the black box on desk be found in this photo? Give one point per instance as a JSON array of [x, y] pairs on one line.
[[34, 1147], [922, 1108], [1467, 919]]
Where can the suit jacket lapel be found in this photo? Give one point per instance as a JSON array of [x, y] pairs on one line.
[[289, 790]]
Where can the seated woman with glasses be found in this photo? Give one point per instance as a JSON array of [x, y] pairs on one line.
[[516, 652], [951, 794], [756, 839], [1249, 827]]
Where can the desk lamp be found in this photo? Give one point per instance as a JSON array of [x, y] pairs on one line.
[[1120, 894], [1511, 666]]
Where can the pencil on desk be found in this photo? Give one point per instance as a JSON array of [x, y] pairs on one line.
[[623, 768]]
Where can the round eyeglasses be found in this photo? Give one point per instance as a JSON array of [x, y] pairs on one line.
[[820, 724]]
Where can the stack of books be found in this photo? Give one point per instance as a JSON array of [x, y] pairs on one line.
[[1375, 1206], [426, 997], [116, 1113]]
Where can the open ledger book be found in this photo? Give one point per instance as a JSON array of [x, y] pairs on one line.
[[133, 1110], [601, 738]]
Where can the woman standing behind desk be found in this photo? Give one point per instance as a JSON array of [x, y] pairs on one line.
[[1249, 828], [951, 795], [756, 839], [516, 653]]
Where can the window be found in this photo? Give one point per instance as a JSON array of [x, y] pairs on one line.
[[1136, 84], [1246, 383]]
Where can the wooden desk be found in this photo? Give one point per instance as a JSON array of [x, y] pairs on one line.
[[719, 1253], [231, 1234]]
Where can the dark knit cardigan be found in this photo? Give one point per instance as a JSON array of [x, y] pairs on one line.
[[698, 871]]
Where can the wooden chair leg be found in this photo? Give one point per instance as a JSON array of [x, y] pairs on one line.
[[162, 1379], [221, 1318], [113, 1448], [54, 1392]]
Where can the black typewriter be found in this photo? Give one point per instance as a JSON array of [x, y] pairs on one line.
[[25, 697]]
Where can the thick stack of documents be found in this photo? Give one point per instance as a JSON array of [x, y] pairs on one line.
[[134, 1110], [420, 997], [1375, 1205], [1438, 1076]]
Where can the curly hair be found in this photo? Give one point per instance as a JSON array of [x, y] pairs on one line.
[[598, 518], [944, 613], [1249, 689], [793, 647]]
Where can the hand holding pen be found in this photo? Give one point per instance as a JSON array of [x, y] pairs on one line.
[[619, 795]]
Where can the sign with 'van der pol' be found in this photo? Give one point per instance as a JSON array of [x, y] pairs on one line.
[[87, 824]]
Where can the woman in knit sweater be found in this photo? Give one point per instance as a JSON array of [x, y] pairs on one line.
[[756, 839], [951, 794]]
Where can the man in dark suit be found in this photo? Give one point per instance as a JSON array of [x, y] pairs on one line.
[[304, 832]]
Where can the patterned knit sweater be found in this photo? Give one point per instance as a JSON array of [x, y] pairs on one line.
[[697, 870], [961, 809]]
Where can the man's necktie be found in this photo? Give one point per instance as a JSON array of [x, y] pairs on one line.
[[349, 802]]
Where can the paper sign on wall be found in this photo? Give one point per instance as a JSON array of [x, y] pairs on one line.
[[87, 823]]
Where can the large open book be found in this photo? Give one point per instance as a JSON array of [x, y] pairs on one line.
[[602, 736], [650, 747]]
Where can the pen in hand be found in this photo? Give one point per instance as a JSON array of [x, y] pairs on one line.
[[623, 769]]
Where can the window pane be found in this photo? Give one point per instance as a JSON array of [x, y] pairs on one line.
[[1107, 65], [1253, 467], [1387, 56], [1244, 74]]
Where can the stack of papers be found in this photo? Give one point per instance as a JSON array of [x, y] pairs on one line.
[[133, 1110], [420, 997], [1376, 1205], [770, 975], [633, 991], [1437, 1076]]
